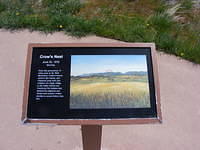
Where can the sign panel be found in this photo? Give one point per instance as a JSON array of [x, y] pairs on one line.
[[91, 84]]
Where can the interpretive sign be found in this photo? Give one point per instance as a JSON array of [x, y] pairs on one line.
[[91, 84]]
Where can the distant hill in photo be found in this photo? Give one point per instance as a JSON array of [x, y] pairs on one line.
[[136, 73]]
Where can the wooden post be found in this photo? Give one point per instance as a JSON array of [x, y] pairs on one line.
[[91, 137]]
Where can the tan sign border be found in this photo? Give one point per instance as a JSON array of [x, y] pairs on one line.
[[158, 119]]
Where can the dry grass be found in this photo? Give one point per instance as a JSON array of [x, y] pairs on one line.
[[96, 8], [109, 95]]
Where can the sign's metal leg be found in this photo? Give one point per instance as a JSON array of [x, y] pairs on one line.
[[91, 137]]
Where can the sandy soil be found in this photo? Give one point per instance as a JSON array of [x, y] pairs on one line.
[[180, 98]]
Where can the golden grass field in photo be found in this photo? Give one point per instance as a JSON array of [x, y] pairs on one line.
[[109, 92]]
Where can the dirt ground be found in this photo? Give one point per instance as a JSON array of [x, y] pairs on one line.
[[180, 99], [195, 2]]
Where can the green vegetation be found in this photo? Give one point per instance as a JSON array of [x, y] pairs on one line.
[[123, 91], [187, 4], [174, 29]]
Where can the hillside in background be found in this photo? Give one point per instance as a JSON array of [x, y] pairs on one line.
[[134, 73], [173, 25]]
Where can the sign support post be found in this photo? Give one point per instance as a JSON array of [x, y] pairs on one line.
[[91, 137]]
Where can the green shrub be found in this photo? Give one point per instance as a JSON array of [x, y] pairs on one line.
[[34, 22], [166, 42], [161, 8], [10, 20], [187, 4], [161, 22], [2, 7], [62, 7]]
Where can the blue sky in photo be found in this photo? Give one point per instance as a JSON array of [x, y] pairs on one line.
[[82, 64]]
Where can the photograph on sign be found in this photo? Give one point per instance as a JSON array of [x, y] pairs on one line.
[[109, 81]]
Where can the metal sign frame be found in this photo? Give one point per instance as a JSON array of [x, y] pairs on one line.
[[107, 121]]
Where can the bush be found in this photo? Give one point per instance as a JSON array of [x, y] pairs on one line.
[[2, 7], [187, 4], [161, 22], [166, 42], [62, 7]]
